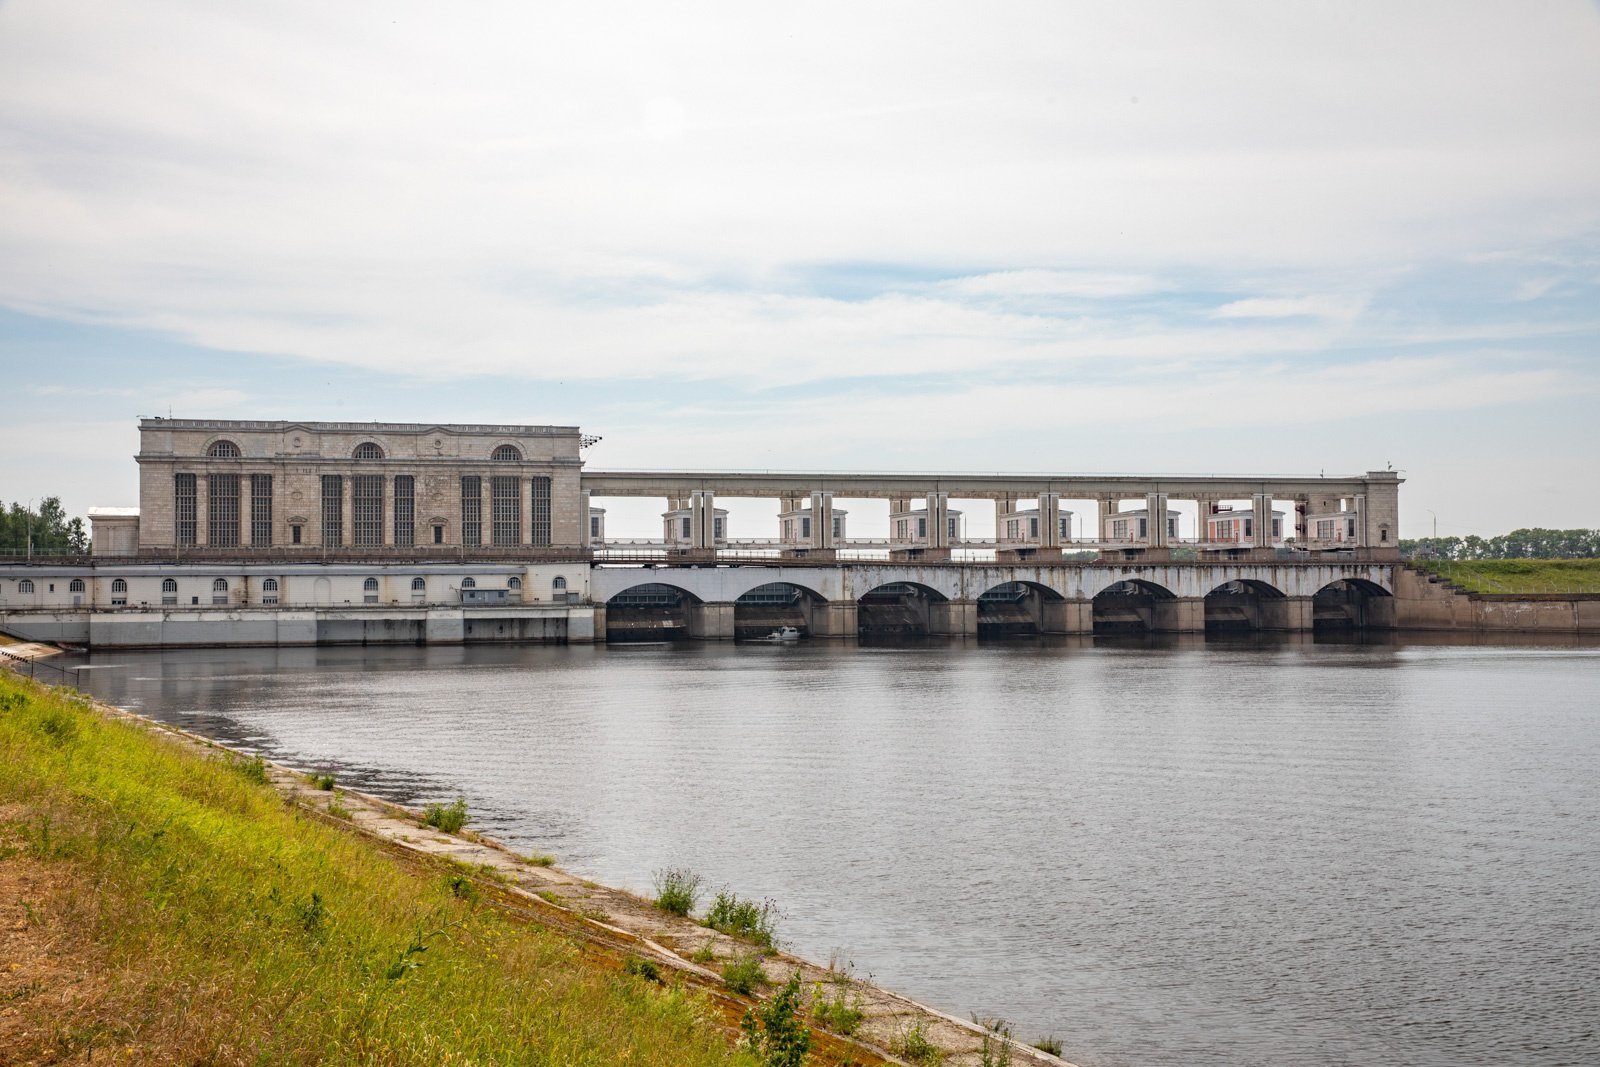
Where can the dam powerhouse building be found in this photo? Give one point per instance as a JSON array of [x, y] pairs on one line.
[[299, 533]]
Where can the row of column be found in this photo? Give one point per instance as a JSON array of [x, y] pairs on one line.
[[714, 621]]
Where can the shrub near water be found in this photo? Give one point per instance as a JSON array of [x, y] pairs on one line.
[[737, 917], [447, 817], [223, 927], [676, 890]]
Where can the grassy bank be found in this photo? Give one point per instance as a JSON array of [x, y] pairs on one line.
[[1519, 575], [157, 906]]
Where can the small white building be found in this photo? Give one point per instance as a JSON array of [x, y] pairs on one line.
[[794, 527], [1022, 527], [1135, 525], [911, 527], [597, 527], [1332, 527], [677, 528], [1228, 527]]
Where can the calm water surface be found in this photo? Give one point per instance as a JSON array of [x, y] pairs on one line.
[[1162, 854]]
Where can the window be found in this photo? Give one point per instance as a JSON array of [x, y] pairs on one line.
[[514, 583], [294, 534], [223, 450], [76, 586], [119, 593], [369, 591], [1144, 528], [469, 583], [558, 585], [506, 454], [219, 591], [367, 508], [1249, 527], [716, 529], [368, 450], [261, 509], [539, 505], [222, 511], [805, 527], [685, 527], [505, 510], [332, 510], [1033, 528], [269, 590], [953, 528], [419, 585], [922, 527], [438, 535], [838, 526], [471, 509], [405, 503], [119, 586], [594, 527], [25, 586], [183, 508], [169, 591], [1119, 529]]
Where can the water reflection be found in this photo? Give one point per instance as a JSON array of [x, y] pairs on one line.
[[1241, 850]]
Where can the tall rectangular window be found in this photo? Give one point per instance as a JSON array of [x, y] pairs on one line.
[[405, 506], [505, 495], [261, 509], [222, 510], [539, 500], [332, 510], [183, 508], [471, 509], [366, 508]]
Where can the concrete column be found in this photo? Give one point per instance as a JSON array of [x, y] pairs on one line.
[[1261, 520], [702, 520], [525, 512], [821, 520], [1203, 511], [835, 618], [347, 509], [953, 618], [1155, 507], [1049, 520], [583, 518], [202, 510], [1104, 509], [938, 508], [1178, 614], [1286, 613], [1359, 504], [711, 621]]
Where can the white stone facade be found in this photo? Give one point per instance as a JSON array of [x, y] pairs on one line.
[[245, 488]]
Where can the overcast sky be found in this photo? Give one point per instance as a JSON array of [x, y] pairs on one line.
[[1153, 237]]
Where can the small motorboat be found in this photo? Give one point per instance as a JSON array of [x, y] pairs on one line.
[[781, 634]]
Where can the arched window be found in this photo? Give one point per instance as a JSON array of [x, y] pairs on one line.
[[169, 586], [506, 454], [559, 585], [419, 585], [119, 586], [220, 585], [269, 585], [468, 583], [76, 586], [368, 450], [370, 585], [25, 586], [223, 450], [514, 583]]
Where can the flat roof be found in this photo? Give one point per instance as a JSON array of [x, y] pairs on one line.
[[279, 426]]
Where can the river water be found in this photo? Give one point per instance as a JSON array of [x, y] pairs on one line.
[[1159, 852]]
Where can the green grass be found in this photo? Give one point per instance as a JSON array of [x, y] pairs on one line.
[[230, 927], [743, 974], [1519, 575], [676, 890], [447, 817]]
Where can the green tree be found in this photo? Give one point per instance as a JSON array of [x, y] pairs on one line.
[[46, 532]]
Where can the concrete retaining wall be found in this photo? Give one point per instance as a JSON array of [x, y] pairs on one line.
[[1424, 602]]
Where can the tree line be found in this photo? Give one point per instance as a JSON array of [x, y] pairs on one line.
[[1518, 544], [48, 529]]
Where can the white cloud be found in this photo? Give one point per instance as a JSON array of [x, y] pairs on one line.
[[1319, 307]]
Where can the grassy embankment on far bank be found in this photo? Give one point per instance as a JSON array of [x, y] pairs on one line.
[[1518, 575], [157, 906]]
